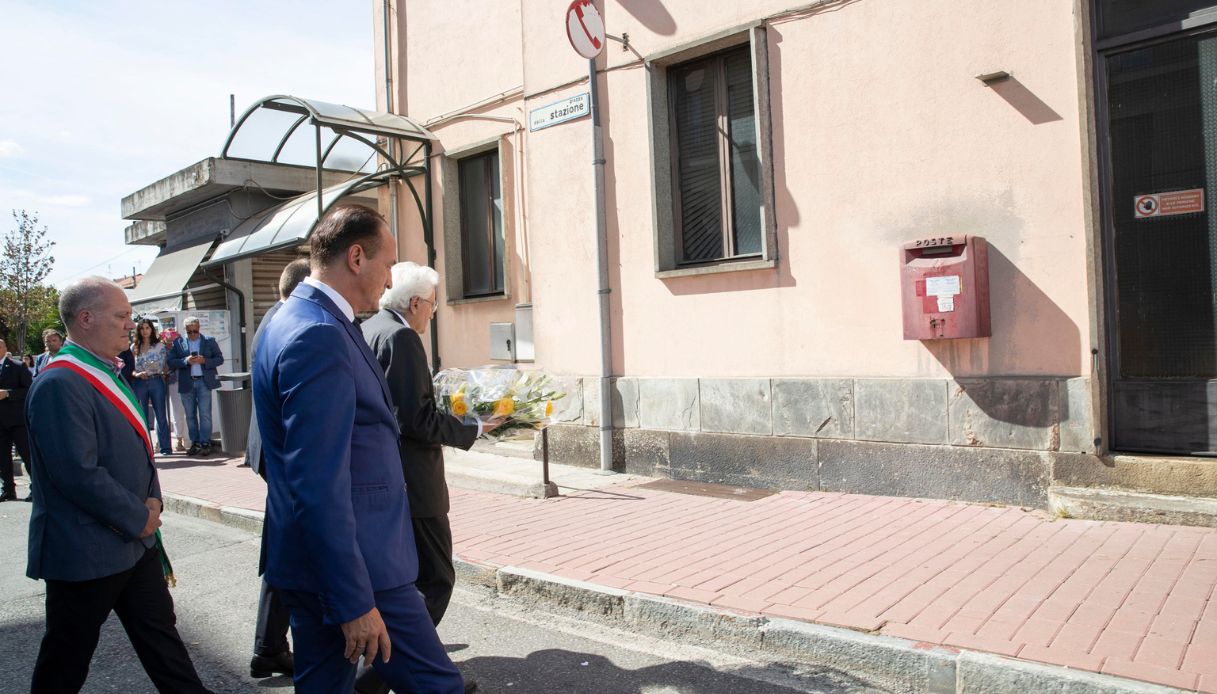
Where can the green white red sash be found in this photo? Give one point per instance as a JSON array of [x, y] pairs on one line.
[[103, 379]]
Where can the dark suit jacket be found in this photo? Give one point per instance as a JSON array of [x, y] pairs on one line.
[[128, 370], [423, 428], [337, 519], [253, 444], [16, 378], [209, 350], [91, 475]]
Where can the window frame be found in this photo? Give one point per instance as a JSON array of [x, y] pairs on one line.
[[488, 183], [454, 224], [665, 183], [717, 62]]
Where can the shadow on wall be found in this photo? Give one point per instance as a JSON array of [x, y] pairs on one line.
[[1024, 101], [612, 221], [651, 14], [1027, 324]]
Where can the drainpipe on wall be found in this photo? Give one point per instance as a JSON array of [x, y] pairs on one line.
[[389, 109], [606, 345], [240, 314]]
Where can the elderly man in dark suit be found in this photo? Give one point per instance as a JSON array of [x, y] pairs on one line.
[[14, 382], [394, 334], [97, 503], [339, 544], [272, 654]]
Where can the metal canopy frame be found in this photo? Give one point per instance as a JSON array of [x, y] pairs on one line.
[[403, 145], [287, 224]]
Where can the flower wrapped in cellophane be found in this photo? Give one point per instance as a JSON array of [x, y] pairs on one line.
[[523, 399]]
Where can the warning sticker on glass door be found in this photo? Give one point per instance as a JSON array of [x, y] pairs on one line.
[[1167, 204]]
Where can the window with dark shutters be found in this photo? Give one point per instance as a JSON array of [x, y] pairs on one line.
[[715, 166], [481, 225]]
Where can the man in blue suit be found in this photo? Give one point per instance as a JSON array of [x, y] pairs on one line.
[[196, 357], [339, 543], [97, 504]]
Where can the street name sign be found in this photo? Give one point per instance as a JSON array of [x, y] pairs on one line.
[[571, 108]]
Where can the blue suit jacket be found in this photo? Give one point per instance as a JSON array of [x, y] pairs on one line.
[[91, 474], [337, 519], [209, 350]]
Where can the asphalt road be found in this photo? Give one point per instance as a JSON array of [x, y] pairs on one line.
[[504, 648]]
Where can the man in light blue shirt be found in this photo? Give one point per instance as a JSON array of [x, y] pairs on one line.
[[195, 357]]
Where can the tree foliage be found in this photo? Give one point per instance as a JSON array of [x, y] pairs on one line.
[[24, 299]]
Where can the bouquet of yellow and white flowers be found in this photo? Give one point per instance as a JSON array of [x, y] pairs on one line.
[[523, 399]]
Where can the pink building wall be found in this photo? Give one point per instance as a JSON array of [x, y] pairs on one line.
[[880, 132]]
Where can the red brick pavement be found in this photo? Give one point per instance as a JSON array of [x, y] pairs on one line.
[[1125, 599]]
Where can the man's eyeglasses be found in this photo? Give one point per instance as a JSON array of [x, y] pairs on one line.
[[434, 306]]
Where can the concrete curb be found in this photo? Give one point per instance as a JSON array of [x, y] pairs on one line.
[[898, 665], [232, 516]]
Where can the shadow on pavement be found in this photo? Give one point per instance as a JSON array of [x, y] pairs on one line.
[[179, 463], [569, 672]]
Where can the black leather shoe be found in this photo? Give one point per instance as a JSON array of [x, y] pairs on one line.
[[205, 450], [193, 451], [9, 495], [29, 499], [262, 666]]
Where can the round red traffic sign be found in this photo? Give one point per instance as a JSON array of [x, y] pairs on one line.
[[585, 28]]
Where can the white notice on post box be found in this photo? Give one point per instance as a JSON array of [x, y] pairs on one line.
[[942, 286], [946, 304]]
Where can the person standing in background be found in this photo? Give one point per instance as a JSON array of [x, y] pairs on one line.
[[148, 380], [14, 382], [196, 357], [53, 339]]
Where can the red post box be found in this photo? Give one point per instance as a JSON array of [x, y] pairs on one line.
[[944, 286]]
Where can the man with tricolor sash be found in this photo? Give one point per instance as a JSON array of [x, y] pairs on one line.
[[97, 504]]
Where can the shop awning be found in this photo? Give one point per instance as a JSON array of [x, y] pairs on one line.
[[289, 224], [161, 287]]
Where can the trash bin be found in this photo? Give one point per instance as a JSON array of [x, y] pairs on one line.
[[234, 409]]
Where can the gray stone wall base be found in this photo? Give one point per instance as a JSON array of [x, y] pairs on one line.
[[744, 461], [1006, 476]]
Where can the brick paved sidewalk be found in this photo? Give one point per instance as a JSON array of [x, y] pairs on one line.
[[1124, 599]]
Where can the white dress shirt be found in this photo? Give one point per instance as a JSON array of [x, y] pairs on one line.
[[342, 304]]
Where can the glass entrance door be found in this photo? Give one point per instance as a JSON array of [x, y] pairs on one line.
[[1161, 241]]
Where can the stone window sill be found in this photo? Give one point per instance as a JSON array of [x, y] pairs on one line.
[[715, 268], [478, 299]]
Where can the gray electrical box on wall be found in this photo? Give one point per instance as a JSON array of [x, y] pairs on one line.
[[525, 351], [502, 341]]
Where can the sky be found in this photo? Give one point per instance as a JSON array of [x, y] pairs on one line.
[[99, 99]]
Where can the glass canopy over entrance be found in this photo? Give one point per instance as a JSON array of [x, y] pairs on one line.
[[375, 147]]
